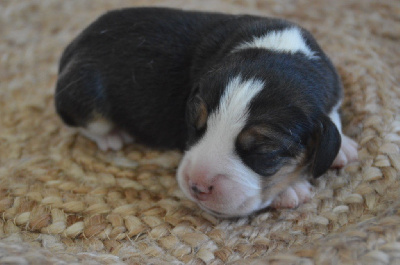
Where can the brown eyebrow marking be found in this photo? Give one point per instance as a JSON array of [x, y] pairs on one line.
[[249, 137], [198, 112], [201, 113]]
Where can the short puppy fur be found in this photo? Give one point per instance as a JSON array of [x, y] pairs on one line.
[[252, 101]]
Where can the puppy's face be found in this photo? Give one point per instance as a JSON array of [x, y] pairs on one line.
[[246, 144]]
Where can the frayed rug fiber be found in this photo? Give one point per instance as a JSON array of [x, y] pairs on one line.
[[63, 201]]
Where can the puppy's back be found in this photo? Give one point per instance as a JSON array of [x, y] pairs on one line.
[[129, 65]]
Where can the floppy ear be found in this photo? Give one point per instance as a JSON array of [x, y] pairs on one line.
[[324, 146]]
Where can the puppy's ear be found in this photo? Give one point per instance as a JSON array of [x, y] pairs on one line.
[[323, 146]]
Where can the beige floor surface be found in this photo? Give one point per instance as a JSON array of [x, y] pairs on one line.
[[62, 201]]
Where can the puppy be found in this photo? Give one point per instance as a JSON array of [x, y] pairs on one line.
[[252, 101]]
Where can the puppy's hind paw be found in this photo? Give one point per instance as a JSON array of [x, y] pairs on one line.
[[114, 140], [105, 136]]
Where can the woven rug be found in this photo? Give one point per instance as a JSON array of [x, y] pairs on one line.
[[62, 201]]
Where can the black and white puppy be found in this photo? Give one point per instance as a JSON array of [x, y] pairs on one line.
[[253, 101]]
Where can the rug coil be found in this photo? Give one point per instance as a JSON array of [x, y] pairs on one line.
[[62, 201]]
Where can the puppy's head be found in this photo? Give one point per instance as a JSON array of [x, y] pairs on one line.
[[249, 139]]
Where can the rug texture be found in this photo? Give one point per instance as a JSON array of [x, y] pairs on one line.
[[62, 201]]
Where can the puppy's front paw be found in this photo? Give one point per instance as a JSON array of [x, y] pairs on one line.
[[293, 196], [347, 153]]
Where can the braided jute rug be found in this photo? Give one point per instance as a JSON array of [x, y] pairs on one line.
[[62, 201]]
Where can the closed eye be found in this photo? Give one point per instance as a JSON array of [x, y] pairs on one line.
[[265, 164]]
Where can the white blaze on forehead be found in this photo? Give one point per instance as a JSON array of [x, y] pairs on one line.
[[217, 147], [288, 40], [232, 111]]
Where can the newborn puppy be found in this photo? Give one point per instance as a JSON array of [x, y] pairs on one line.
[[252, 101]]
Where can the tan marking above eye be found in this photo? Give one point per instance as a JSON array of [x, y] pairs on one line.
[[253, 135], [201, 114]]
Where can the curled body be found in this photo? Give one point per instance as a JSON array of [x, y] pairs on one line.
[[251, 101]]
